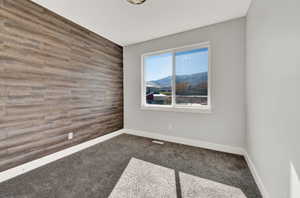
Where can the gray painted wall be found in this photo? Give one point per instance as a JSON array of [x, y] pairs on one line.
[[273, 93], [226, 125]]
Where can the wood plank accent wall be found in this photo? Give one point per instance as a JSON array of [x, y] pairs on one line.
[[56, 77]]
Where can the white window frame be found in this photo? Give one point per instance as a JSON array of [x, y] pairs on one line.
[[198, 108]]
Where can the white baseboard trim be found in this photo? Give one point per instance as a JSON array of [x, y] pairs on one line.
[[186, 141], [256, 176], [24, 168]]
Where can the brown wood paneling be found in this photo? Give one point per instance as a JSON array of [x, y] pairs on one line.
[[56, 77]]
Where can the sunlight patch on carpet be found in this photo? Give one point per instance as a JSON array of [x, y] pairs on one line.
[[147, 180], [142, 179], [192, 186]]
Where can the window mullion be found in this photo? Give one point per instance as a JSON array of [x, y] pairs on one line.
[[173, 80]]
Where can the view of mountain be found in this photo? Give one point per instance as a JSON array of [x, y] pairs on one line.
[[192, 80]]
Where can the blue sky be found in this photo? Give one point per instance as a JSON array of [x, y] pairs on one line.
[[190, 62]]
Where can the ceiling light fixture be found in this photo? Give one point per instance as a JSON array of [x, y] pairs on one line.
[[136, 2]]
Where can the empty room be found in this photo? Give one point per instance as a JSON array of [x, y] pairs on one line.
[[149, 99]]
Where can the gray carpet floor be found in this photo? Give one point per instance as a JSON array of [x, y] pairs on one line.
[[95, 172]]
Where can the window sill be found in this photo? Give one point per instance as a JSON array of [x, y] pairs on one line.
[[177, 109]]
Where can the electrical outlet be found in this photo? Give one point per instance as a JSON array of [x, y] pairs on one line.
[[170, 127], [70, 136]]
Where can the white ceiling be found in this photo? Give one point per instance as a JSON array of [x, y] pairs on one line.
[[126, 24]]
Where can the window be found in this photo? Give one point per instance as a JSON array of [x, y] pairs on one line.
[[177, 79]]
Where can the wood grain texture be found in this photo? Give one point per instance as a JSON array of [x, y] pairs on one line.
[[55, 77]]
